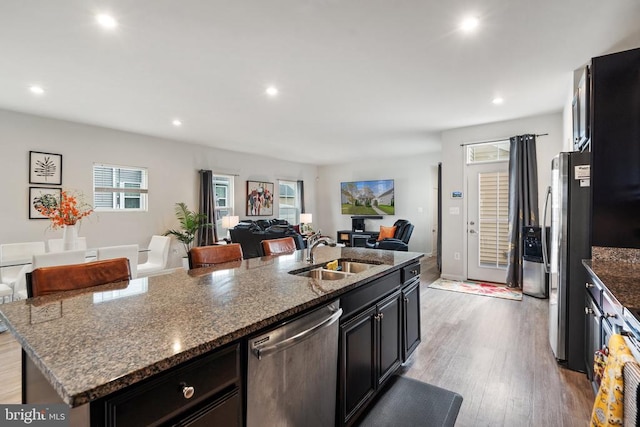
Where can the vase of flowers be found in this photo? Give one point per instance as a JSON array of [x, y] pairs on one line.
[[64, 211]]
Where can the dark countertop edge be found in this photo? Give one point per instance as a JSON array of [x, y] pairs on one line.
[[142, 374], [605, 289]]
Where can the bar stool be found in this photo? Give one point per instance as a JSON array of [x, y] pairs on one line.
[[206, 256], [60, 278], [285, 245]]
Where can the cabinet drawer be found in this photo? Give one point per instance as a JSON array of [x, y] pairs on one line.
[[162, 398], [369, 293], [594, 289], [612, 312], [410, 271]]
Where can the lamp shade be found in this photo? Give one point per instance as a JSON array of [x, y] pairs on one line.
[[230, 221], [306, 218]]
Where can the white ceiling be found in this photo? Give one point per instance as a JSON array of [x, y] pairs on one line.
[[356, 77]]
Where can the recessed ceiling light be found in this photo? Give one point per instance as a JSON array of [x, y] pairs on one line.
[[36, 90], [272, 91], [497, 101], [469, 24], [106, 21], [176, 122]]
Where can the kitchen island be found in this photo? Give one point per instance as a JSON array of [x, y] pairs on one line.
[[92, 345]]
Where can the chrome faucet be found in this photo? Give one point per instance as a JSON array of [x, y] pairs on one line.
[[317, 241]]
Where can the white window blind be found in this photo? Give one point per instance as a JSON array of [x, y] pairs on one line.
[[288, 201], [119, 187], [494, 218]]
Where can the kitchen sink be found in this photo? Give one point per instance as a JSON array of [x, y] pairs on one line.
[[345, 267], [323, 274]]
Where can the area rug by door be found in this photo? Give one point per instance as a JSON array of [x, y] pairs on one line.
[[478, 288]]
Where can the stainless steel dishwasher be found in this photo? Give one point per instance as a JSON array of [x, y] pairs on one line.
[[292, 372]]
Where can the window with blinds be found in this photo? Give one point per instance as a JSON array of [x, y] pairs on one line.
[[288, 201], [488, 152], [119, 188], [493, 218], [223, 188]]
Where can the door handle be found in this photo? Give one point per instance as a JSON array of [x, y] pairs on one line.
[[472, 231]]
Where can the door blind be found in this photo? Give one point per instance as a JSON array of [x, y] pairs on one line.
[[493, 218]]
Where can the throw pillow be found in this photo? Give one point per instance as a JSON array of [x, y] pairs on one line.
[[386, 232]]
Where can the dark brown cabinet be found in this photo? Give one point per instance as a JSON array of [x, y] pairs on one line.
[[200, 392], [370, 353], [411, 318]]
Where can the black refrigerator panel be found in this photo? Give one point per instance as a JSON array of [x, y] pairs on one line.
[[578, 248], [615, 145]]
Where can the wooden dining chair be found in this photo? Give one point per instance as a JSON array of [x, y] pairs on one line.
[[286, 245], [206, 256], [60, 278]]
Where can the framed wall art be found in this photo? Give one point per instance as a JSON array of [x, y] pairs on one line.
[[36, 194], [45, 168], [259, 198]]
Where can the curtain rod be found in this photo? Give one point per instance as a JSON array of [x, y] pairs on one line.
[[497, 140], [220, 172]]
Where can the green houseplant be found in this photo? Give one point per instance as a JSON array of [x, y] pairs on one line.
[[190, 224]]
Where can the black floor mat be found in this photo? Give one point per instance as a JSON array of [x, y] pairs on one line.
[[408, 402]]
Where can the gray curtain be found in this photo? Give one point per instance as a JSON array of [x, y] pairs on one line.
[[301, 193], [523, 201], [207, 235]]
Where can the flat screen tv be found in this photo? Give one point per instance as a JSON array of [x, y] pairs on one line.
[[367, 197]]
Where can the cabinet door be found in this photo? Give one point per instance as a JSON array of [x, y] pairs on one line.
[[411, 319], [223, 412], [593, 333], [389, 327], [357, 370]]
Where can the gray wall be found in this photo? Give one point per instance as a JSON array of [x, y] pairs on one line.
[[415, 181], [454, 179], [173, 177]]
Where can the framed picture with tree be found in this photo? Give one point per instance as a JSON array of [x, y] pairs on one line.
[[45, 168]]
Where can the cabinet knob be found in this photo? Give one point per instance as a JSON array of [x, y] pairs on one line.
[[589, 285], [607, 315], [188, 391], [414, 272], [381, 316], [406, 300], [588, 310]]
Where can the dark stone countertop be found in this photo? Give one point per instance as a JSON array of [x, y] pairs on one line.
[[90, 344], [622, 280]]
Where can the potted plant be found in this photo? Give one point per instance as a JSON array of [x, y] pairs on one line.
[[190, 224]]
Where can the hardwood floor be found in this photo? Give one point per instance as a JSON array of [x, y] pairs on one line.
[[494, 352], [10, 382]]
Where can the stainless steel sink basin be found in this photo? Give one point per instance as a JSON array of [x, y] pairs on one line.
[[353, 266], [346, 267], [323, 274]]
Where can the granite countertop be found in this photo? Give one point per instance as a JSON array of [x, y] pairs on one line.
[[90, 344], [620, 278]]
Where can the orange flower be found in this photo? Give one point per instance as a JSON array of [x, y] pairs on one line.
[[64, 210]]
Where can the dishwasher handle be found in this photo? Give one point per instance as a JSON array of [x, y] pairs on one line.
[[260, 352]]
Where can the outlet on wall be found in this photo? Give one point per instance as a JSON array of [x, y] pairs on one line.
[[456, 255]]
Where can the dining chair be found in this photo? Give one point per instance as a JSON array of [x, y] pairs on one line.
[[57, 245], [157, 257], [60, 278], [127, 251], [286, 245], [22, 253], [58, 258], [206, 256]]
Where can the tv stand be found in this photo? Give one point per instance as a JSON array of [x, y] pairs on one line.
[[355, 238]]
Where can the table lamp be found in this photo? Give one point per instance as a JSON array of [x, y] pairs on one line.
[[305, 218], [229, 221]]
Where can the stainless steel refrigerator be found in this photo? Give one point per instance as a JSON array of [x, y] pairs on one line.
[[569, 215]]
